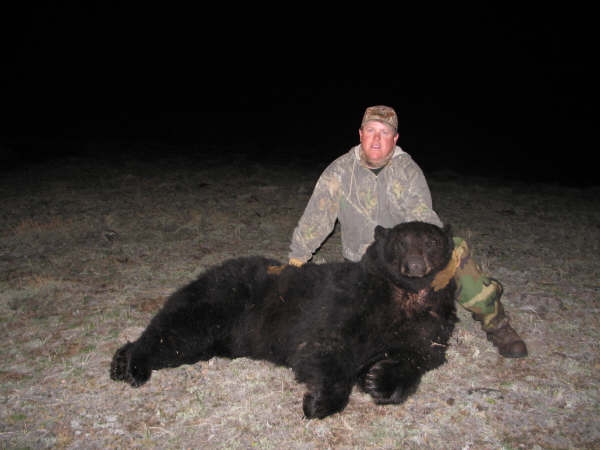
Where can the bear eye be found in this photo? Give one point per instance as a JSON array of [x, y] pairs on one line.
[[432, 242]]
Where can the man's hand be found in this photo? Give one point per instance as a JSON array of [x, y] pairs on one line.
[[296, 262]]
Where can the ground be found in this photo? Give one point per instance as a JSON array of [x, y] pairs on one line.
[[90, 247]]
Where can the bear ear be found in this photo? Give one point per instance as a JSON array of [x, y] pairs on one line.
[[448, 229], [380, 232]]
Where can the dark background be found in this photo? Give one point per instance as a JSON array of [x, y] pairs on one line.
[[498, 92]]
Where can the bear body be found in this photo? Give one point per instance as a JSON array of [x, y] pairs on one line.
[[376, 323]]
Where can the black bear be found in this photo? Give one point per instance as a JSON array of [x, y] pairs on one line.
[[376, 323]]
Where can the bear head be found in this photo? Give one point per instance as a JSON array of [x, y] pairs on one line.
[[410, 254]]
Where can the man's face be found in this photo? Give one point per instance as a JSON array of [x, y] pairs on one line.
[[377, 140]]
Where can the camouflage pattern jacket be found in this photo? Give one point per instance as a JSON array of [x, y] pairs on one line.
[[352, 193]]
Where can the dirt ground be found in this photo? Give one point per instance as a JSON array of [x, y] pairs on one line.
[[90, 247]]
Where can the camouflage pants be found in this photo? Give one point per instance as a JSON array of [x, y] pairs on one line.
[[476, 292]]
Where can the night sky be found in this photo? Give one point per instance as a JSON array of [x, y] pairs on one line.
[[497, 91]]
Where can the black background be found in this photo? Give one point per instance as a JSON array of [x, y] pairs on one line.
[[499, 92]]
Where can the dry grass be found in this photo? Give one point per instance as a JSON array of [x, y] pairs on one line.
[[90, 248]]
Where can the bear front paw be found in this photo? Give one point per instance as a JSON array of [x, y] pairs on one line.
[[314, 407], [388, 381], [320, 404]]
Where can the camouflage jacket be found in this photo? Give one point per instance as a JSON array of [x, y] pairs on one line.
[[350, 192]]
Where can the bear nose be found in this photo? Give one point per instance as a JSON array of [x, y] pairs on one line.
[[414, 266]]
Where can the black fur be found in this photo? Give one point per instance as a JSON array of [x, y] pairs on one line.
[[375, 323]]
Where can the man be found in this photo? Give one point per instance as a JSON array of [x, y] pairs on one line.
[[377, 183]]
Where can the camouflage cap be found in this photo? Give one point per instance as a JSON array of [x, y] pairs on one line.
[[383, 114]]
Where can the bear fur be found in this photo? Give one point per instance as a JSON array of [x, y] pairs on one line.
[[375, 323]]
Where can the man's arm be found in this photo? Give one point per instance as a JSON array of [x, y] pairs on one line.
[[317, 220]]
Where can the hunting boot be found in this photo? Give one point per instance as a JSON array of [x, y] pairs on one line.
[[480, 295], [498, 329]]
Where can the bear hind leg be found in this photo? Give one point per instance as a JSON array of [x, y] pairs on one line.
[[135, 371], [135, 361]]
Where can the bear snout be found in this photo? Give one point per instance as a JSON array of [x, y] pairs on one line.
[[414, 266]]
